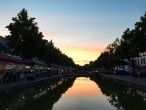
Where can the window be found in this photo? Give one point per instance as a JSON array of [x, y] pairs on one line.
[[143, 60], [137, 61]]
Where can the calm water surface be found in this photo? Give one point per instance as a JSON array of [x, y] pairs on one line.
[[83, 95], [75, 94]]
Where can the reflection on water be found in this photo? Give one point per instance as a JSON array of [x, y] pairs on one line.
[[41, 97], [84, 95], [75, 94], [121, 96]]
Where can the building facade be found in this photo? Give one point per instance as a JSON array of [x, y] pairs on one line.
[[141, 61]]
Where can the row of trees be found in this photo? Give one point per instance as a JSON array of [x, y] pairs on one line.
[[123, 51], [26, 41]]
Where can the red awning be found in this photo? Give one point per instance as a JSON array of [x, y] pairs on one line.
[[10, 59]]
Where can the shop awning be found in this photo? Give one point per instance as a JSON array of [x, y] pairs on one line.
[[10, 59]]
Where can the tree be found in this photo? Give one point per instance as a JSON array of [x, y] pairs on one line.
[[124, 51], [25, 38], [140, 35], [54, 55], [26, 41]]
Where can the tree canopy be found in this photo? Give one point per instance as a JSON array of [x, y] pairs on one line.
[[122, 51], [25, 38], [27, 41]]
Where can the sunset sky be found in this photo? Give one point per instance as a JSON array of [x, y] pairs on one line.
[[79, 28]]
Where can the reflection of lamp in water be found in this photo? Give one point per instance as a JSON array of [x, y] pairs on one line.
[[23, 97], [27, 67], [116, 97], [48, 89]]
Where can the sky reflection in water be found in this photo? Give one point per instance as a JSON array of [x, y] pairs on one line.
[[94, 93], [84, 95]]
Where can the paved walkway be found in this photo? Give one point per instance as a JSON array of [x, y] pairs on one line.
[[136, 82]]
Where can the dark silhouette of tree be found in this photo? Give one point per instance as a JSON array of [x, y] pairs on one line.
[[123, 51], [26, 41], [140, 35], [120, 95], [25, 38], [54, 55]]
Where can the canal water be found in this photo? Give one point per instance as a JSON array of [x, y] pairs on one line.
[[82, 93]]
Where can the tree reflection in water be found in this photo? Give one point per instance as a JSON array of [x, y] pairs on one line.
[[40, 97], [120, 95]]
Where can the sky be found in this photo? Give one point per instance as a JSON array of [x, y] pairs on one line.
[[81, 29]]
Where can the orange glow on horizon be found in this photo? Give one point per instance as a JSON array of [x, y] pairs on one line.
[[81, 52], [81, 55]]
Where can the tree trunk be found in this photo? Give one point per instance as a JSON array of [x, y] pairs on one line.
[[133, 66]]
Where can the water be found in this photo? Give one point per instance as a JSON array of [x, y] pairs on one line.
[[75, 94], [84, 95]]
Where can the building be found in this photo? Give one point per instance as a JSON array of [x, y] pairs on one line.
[[141, 61], [3, 45]]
